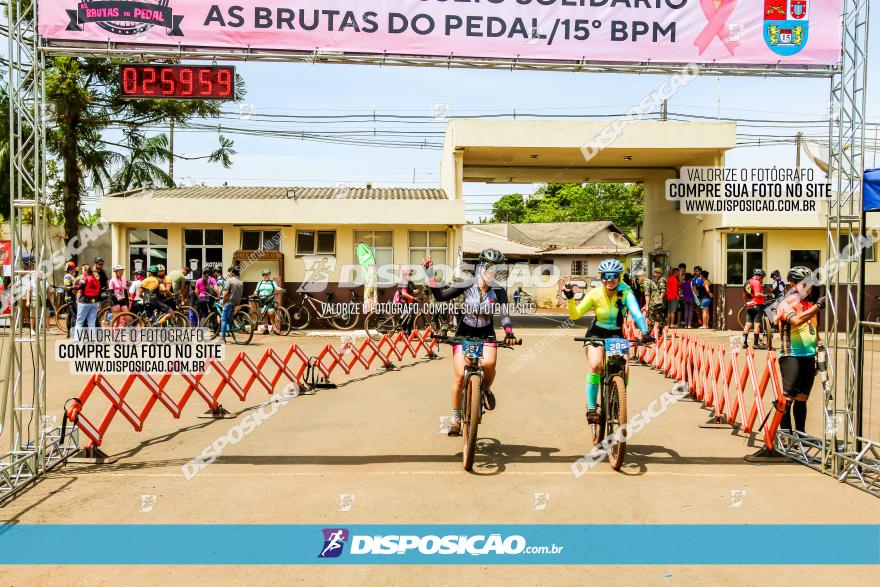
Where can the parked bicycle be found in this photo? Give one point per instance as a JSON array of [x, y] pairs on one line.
[[612, 396], [240, 327], [472, 398], [259, 313], [765, 337], [143, 318], [308, 310]]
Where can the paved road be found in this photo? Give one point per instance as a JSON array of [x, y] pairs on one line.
[[377, 439]]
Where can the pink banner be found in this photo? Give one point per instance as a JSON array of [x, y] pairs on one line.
[[784, 32]]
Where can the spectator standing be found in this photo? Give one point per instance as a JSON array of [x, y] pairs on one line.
[[89, 296], [231, 298], [655, 298], [704, 291], [687, 300], [755, 305], [206, 286], [70, 296], [672, 293]]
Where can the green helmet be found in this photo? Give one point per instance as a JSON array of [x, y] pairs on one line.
[[152, 269]]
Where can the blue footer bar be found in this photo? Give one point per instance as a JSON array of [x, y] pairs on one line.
[[171, 544]]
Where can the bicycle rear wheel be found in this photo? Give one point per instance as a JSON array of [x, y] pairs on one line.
[[741, 317], [766, 333], [61, 317], [471, 419], [345, 319], [242, 328], [616, 422], [282, 321]]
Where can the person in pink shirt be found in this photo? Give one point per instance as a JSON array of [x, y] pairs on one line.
[[206, 286], [118, 288]]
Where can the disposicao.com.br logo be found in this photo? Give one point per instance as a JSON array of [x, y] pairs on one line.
[[476, 545]]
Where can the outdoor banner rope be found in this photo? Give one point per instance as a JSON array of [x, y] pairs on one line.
[[398, 347], [709, 371]]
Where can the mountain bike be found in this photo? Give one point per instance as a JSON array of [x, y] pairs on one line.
[[240, 326], [765, 337], [378, 324], [280, 319], [472, 399], [309, 309], [144, 318], [612, 395], [105, 315]]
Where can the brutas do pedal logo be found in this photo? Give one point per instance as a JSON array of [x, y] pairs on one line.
[[125, 17]]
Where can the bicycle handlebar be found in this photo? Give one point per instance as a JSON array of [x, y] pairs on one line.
[[458, 340]]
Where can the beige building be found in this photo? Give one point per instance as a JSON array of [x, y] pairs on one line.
[[573, 249], [302, 234], [649, 152]]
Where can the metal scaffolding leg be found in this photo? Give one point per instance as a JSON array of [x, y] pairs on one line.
[[843, 445], [34, 444]]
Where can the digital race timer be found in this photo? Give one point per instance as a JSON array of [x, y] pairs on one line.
[[190, 82]]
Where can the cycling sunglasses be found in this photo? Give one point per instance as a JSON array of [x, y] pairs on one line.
[[609, 276]]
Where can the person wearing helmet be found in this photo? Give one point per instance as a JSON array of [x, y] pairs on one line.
[[151, 292], [118, 288], [89, 286], [134, 292], [610, 302], [265, 293], [166, 288], [480, 296], [404, 298], [70, 296], [778, 287], [799, 331], [755, 305]]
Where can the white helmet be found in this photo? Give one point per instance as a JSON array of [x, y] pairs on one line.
[[118, 268]]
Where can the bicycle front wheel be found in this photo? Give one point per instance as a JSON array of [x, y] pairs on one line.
[[345, 319], [212, 322], [242, 328], [741, 317], [378, 324], [616, 422], [471, 415], [300, 317]]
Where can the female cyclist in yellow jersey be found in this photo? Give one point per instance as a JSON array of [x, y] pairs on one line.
[[610, 303]]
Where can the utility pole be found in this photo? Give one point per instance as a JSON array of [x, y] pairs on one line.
[[797, 161], [664, 110], [171, 151]]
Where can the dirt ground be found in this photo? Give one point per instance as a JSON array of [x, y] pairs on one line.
[[377, 439]]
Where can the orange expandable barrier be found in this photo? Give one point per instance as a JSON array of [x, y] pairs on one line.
[[243, 372]]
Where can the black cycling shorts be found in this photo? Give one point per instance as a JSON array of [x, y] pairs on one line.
[[798, 374], [599, 332], [753, 314], [483, 332]]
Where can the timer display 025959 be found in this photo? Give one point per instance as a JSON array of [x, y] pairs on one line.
[[187, 82]]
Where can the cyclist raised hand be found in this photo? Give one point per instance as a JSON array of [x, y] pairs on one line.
[[481, 295], [610, 303]]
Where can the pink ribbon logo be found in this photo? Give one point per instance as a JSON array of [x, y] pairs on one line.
[[717, 25]]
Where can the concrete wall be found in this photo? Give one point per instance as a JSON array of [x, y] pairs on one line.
[[294, 267]]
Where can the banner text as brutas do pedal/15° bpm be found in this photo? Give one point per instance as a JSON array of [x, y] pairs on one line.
[[771, 32]]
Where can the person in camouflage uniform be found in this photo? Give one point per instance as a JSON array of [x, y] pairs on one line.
[[655, 298]]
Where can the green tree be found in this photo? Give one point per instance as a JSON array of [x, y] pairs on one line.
[[622, 204], [510, 208], [84, 96]]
